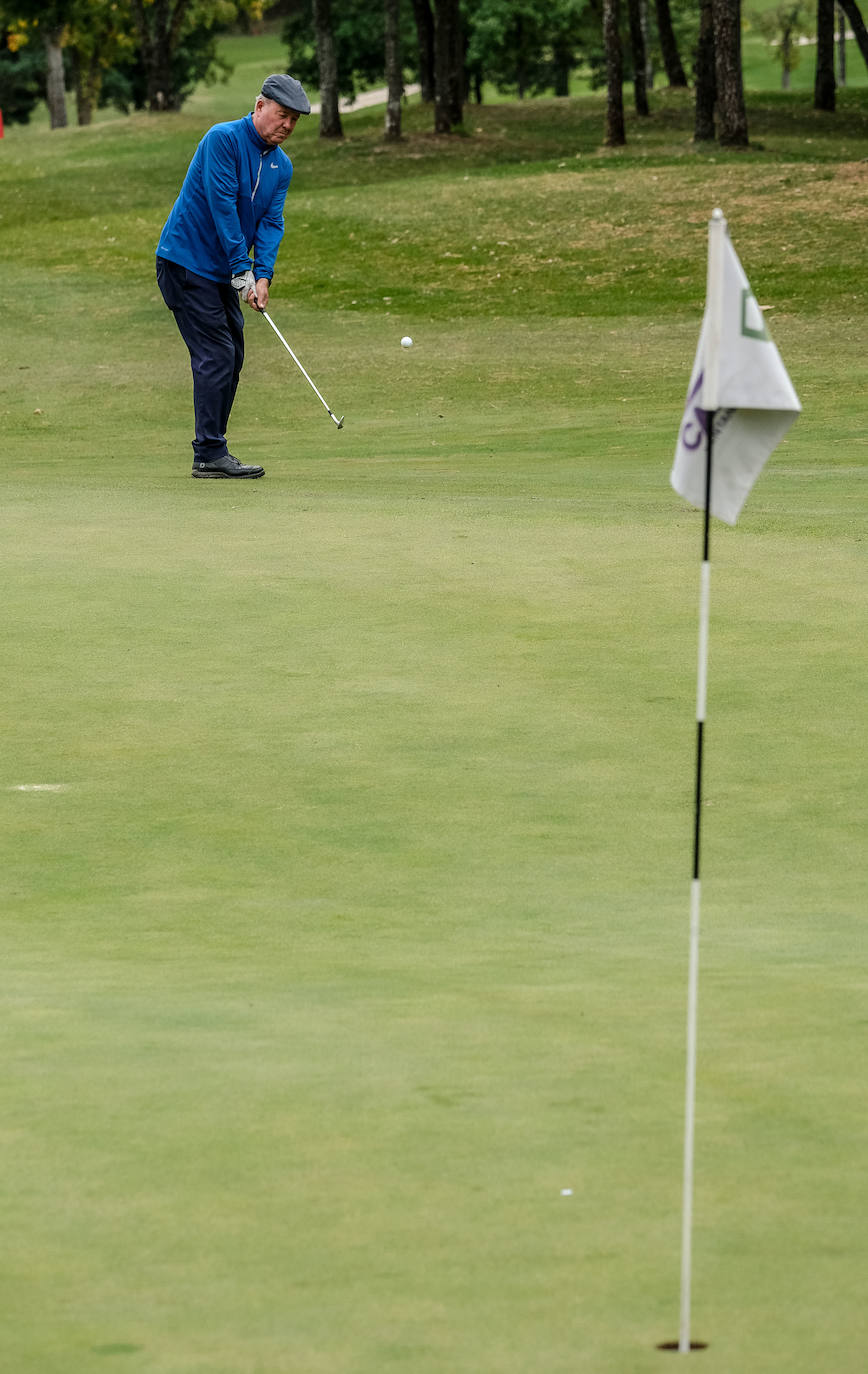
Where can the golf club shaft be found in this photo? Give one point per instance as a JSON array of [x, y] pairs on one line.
[[338, 422]]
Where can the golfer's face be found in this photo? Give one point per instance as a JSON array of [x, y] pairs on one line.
[[274, 122]]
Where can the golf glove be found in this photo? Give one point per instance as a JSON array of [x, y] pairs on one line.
[[244, 283]]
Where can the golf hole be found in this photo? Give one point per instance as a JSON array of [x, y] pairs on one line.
[[673, 1345]]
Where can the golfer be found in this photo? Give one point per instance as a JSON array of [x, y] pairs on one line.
[[230, 206]]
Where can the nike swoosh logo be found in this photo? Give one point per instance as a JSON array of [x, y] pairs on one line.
[[273, 164]]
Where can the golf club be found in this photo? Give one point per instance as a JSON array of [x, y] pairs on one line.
[[338, 422]]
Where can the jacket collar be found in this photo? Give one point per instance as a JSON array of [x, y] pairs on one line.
[[254, 137]]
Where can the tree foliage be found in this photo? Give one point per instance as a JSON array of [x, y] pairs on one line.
[[782, 27], [177, 44], [132, 52], [22, 76], [98, 37], [358, 31]]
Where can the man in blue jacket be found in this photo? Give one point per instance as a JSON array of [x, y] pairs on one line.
[[231, 204]]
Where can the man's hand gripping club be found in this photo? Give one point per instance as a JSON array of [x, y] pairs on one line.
[[254, 292]]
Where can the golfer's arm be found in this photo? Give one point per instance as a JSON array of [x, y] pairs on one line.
[[269, 233], [221, 190]]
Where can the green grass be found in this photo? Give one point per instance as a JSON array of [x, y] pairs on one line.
[[359, 932]]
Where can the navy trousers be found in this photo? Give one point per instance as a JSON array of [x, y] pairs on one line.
[[211, 324]]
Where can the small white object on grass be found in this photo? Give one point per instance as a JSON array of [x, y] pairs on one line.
[[39, 787], [566, 1192], [406, 342]]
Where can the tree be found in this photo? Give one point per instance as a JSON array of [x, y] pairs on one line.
[[424, 21], [21, 76], [706, 83], [668, 45], [506, 43], [448, 66], [356, 28], [824, 79], [857, 24], [158, 26], [637, 48], [55, 86], [394, 70], [133, 52], [177, 42], [615, 133], [780, 27], [565, 26], [526, 46], [327, 60], [98, 35], [44, 24], [732, 130], [841, 47]]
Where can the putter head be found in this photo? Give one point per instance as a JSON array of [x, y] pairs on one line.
[[340, 422]]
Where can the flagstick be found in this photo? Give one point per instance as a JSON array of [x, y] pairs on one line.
[[695, 891]]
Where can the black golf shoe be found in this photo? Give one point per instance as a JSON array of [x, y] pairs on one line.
[[226, 466]]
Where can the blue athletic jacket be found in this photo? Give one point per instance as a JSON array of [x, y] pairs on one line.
[[231, 201]]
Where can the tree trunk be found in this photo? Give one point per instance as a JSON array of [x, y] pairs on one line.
[[786, 59], [857, 24], [637, 46], [87, 84], [520, 67], [562, 61], [824, 80], [425, 33], [649, 61], [55, 92], [706, 83], [394, 72], [841, 66], [732, 116], [147, 45], [448, 67], [668, 46], [457, 78], [327, 60], [615, 135], [83, 107]]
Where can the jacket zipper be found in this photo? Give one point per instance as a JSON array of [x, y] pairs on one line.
[[258, 175]]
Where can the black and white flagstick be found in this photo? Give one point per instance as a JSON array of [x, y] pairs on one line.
[[738, 376], [695, 895]]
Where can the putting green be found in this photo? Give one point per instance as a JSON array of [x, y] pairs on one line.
[[344, 978]]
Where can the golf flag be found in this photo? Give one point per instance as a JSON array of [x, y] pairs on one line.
[[738, 383]]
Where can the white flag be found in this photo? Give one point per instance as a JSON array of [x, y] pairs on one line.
[[738, 375]]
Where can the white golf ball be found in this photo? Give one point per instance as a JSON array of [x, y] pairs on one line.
[[406, 342]]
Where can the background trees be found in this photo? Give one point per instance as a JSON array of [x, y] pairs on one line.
[[152, 53], [783, 26], [142, 53]]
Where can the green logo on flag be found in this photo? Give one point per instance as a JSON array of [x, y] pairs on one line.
[[757, 329]]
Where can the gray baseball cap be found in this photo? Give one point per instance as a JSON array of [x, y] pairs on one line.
[[287, 92]]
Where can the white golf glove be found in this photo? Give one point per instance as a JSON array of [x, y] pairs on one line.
[[244, 283]]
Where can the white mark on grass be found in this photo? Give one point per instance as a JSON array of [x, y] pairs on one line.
[[566, 1192], [39, 787]]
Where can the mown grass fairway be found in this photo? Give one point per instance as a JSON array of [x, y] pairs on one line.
[[357, 931]]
